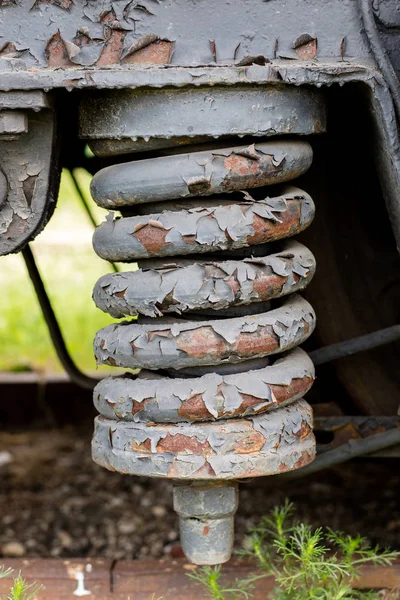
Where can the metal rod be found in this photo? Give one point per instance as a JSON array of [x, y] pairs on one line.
[[355, 345], [351, 449], [88, 210], [52, 324]]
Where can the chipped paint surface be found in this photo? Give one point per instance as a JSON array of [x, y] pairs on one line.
[[263, 445], [211, 396], [184, 287], [190, 343], [200, 173], [199, 33], [220, 226], [26, 163]]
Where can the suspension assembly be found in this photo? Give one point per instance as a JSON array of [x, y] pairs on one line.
[[215, 294]]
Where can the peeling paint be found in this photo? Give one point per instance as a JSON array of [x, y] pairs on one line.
[[200, 285], [206, 398], [30, 175], [198, 230], [187, 344], [238, 448], [200, 173]]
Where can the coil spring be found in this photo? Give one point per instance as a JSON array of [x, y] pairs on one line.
[[203, 405]]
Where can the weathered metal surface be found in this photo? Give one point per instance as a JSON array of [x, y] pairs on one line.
[[213, 285], [171, 31], [206, 519], [221, 226], [29, 100], [263, 445], [346, 428], [200, 173], [191, 343], [158, 400], [200, 111], [12, 124], [30, 168]]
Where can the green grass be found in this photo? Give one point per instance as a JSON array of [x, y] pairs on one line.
[[69, 268]]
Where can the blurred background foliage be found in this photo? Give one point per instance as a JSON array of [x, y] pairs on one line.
[[69, 268]]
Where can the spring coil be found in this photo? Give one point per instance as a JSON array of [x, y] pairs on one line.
[[209, 348], [203, 405]]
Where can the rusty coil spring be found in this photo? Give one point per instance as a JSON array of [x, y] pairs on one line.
[[201, 407]]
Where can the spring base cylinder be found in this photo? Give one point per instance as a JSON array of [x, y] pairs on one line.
[[219, 395], [206, 521]]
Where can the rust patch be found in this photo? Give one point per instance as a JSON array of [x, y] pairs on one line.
[[158, 52], [306, 47], [194, 409], [282, 393], [206, 530], [304, 430], [152, 238], [261, 341], [56, 52], [183, 444], [268, 286], [114, 41], [266, 230], [251, 169], [201, 342], [189, 239], [253, 442], [144, 447], [240, 165], [9, 49]]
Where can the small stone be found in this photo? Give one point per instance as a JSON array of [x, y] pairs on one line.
[[172, 535], [126, 527], [159, 511], [13, 550], [65, 539]]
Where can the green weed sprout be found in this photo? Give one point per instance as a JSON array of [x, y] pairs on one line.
[[306, 563]]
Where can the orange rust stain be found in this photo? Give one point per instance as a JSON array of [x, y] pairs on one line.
[[248, 402], [202, 342], [266, 230], [138, 406], [307, 51], [152, 238], [194, 408], [240, 165], [184, 444], [144, 447], [206, 530], [282, 393], [304, 430], [206, 471], [252, 442], [189, 239], [159, 52], [262, 341], [56, 52], [114, 41], [268, 286]]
